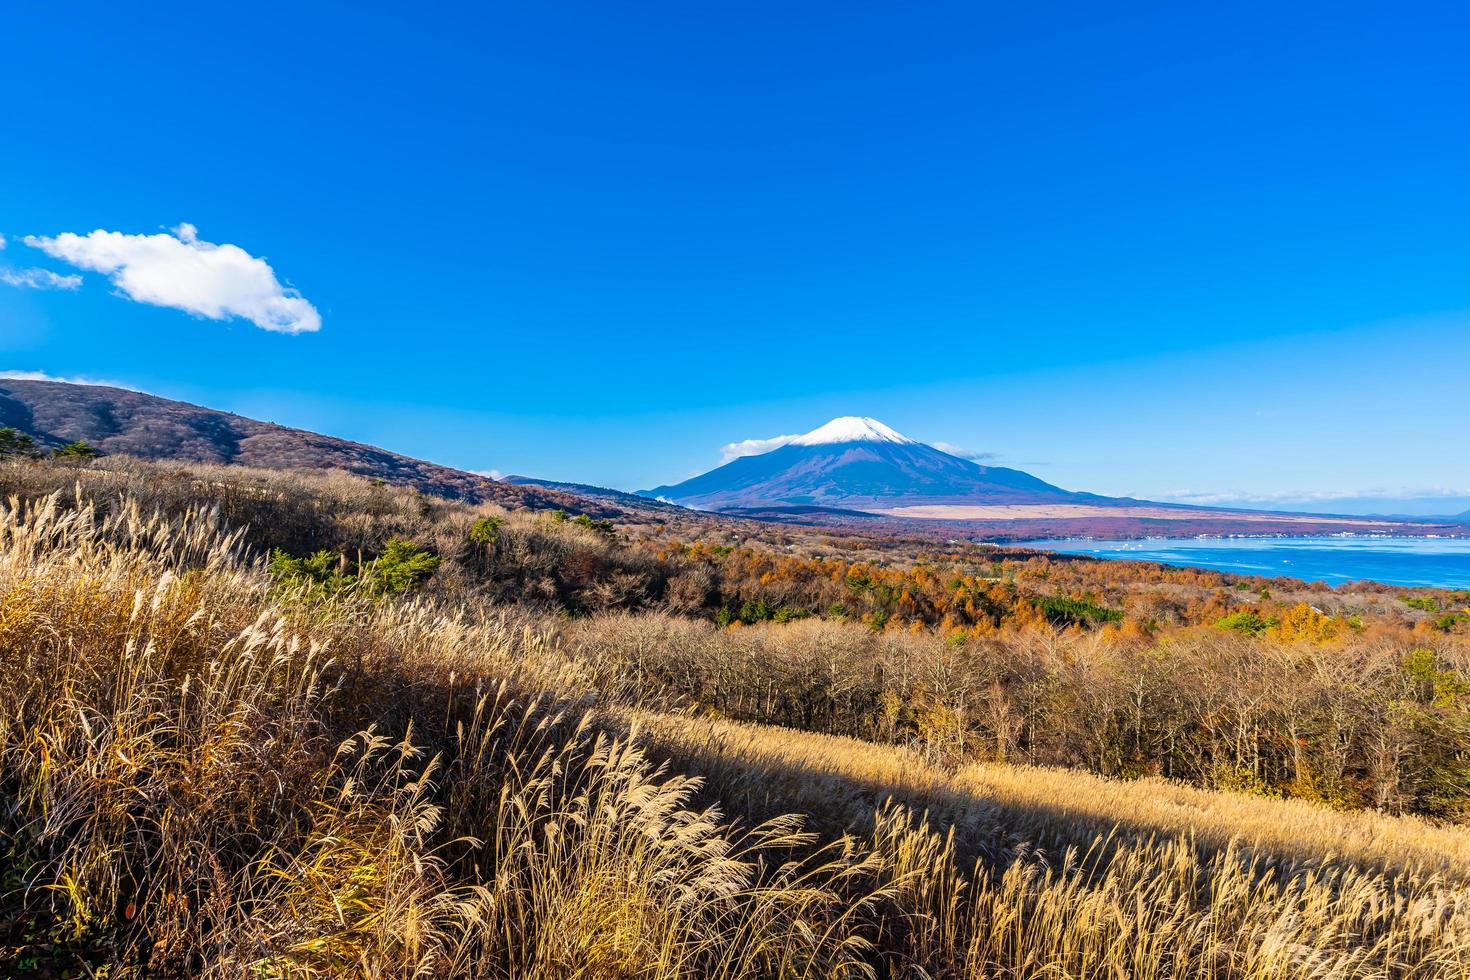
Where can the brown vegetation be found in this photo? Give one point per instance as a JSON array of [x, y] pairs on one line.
[[210, 768]]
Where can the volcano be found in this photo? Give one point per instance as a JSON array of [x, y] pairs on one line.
[[858, 463]]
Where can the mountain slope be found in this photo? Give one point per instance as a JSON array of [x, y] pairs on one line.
[[621, 497], [856, 463], [858, 473], [118, 421]]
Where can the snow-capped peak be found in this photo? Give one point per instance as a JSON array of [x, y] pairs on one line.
[[851, 428]]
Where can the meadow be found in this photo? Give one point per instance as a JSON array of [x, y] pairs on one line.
[[290, 725]]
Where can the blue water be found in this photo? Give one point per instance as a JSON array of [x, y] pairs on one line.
[[1438, 562]]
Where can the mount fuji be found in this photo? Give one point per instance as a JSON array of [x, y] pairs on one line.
[[858, 463]]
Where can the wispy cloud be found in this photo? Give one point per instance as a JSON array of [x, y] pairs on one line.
[[970, 454], [38, 279], [754, 447], [43, 376], [35, 278], [182, 272]]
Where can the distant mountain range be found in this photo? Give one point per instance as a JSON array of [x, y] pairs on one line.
[[855, 470], [858, 463], [850, 473]]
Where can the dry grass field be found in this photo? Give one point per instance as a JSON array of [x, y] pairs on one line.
[[214, 764]]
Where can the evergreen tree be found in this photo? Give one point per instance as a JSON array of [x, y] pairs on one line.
[[75, 450], [13, 442]]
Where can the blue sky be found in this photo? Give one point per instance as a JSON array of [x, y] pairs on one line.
[[1161, 250]]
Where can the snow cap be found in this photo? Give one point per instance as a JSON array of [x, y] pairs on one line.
[[851, 428]]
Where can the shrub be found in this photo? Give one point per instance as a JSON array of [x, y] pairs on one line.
[[755, 611], [1244, 621], [1060, 609], [323, 573], [600, 526], [75, 450], [486, 530], [401, 566], [1302, 622], [788, 614], [1449, 621]]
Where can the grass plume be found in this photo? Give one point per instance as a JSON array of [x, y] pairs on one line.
[[206, 773]]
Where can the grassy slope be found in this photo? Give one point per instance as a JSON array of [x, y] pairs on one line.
[[117, 421], [202, 773], [206, 776], [996, 807]]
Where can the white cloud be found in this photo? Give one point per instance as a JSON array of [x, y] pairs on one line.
[[2, 243], [43, 376], [495, 475], [182, 272], [38, 279], [970, 454], [753, 447]]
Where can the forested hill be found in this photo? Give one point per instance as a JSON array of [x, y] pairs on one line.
[[118, 421]]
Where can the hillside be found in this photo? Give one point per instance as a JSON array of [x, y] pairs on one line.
[[621, 497], [870, 481], [118, 421], [517, 745]]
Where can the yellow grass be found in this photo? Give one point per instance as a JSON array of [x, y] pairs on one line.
[[203, 775], [1049, 807]]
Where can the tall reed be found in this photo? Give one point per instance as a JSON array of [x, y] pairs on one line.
[[206, 773]]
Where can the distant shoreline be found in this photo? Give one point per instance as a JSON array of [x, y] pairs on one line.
[[1423, 561]]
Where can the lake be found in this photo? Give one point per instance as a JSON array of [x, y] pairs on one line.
[[1441, 562]]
